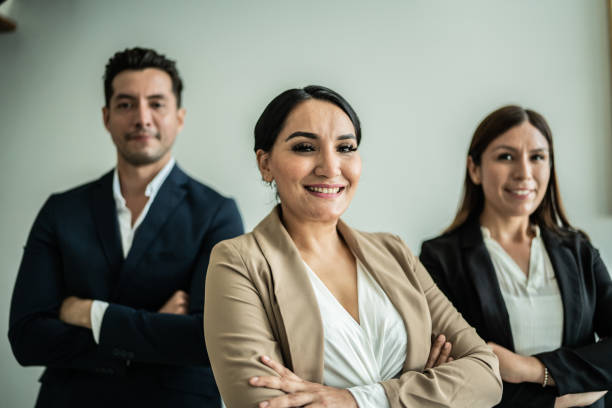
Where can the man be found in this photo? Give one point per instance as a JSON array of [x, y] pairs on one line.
[[109, 294]]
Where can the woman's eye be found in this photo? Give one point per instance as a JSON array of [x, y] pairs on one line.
[[504, 156], [538, 157], [303, 148], [347, 148]]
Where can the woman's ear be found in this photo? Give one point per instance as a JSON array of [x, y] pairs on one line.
[[263, 162], [474, 171]]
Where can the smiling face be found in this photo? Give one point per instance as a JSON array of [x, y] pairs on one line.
[[314, 162], [514, 172], [142, 116]]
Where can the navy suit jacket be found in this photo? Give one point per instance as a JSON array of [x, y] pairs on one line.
[[460, 264], [144, 357]]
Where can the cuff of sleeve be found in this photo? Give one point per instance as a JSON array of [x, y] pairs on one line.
[[372, 395], [98, 308]]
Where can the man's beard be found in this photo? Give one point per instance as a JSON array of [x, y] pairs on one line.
[[143, 158]]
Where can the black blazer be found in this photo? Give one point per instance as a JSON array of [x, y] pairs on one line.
[[460, 264], [144, 358]]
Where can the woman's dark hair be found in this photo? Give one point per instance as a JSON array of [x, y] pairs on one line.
[[550, 213], [139, 59], [273, 118]]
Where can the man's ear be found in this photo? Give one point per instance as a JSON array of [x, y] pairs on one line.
[[263, 162], [180, 115], [105, 117], [474, 171]]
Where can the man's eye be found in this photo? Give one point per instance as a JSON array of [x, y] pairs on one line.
[[156, 105], [303, 148], [347, 148], [124, 105], [504, 156]]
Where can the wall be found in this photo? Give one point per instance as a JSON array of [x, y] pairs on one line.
[[421, 74]]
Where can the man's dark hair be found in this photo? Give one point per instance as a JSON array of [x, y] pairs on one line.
[[138, 59]]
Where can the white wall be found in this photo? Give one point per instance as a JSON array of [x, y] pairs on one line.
[[420, 73]]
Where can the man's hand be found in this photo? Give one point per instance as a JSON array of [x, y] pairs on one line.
[[177, 304], [76, 311]]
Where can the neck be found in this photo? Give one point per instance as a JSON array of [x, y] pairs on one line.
[[311, 236], [134, 179], [506, 228]]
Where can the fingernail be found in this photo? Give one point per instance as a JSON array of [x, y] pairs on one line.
[[264, 404], [254, 379], [265, 358]]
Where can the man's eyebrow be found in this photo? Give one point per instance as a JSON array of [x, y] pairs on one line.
[[133, 97]]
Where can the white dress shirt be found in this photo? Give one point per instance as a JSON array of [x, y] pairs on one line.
[[533, 302], [357, 356], [127, 231]]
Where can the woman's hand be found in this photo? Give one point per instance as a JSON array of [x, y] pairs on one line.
[[439, 353], [515, 368], [583, 399], [300, 393]]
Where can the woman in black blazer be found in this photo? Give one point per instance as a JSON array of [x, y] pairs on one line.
[[511, 189]]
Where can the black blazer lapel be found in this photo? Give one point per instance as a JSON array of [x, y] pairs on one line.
[[105, 216], [479, 266], [564, 264], [167, 199]]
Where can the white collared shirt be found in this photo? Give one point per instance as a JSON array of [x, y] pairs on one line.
[[358, 356], [127, 231], [533, 301]]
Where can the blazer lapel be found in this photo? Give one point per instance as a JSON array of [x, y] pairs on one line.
[[564, 264], [168, 197], [296, 300], [480, 268], [105, 216]]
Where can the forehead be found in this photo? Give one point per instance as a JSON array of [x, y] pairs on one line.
[[149, 81], [524, 136], [319, 117]]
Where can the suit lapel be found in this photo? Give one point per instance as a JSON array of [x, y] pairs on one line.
[[482, 273], [295, 297], [168, 197], [563, 264], [105, 216]]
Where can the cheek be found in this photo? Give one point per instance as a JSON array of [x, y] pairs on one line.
[[289, 171]]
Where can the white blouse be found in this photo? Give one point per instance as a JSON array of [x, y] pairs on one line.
[[533, 302], [358, 356]]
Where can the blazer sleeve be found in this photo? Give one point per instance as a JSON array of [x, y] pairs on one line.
[[471, 380], [36, 334], [139, 335], [237, 329], [525, 395], [587, 368]]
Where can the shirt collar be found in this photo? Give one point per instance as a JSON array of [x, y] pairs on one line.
[[151, 189], [487, 234]]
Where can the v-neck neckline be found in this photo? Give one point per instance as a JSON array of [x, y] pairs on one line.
[[335, 300]]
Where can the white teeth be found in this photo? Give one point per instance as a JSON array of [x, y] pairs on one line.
[[325, 190], [521, 192]]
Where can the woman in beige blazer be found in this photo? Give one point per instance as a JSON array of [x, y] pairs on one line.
[[264, 330]]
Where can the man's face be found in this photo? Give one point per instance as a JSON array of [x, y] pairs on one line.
[[142, 116]]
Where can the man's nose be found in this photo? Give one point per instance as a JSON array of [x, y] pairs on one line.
[[143, 116]]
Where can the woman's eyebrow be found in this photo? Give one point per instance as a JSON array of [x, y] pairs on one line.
[[303, 134]]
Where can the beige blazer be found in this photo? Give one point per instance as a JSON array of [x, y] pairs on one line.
[[259, 301]]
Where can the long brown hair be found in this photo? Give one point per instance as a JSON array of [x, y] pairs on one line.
[[550, 213]]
